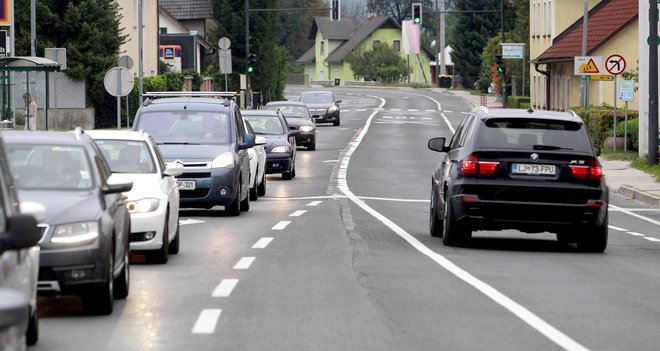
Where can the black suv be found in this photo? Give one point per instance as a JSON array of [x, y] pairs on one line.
[[85, 243], [204, 131], [533, 171]]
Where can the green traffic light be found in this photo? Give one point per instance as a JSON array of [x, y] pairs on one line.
[[500, 69], [416, 20], [250, 69]]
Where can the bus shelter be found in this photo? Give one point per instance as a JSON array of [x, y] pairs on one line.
[[26, 64]]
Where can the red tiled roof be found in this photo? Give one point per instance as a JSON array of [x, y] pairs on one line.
[[605, 20]]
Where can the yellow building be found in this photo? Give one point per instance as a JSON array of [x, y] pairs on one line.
[[556, 38], [128, 9]]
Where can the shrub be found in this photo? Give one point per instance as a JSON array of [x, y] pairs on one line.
[[600, 121]]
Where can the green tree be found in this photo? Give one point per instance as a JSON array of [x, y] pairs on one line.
[[381, 63], [89, 30]]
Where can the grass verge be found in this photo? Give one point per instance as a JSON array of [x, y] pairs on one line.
[[635, 161]]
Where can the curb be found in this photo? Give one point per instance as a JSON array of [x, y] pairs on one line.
[[633, 193]]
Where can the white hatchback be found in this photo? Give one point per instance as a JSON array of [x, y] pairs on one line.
[[153, 203], [257, 155]]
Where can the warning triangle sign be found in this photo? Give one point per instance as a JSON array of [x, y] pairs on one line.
[[590, 67]]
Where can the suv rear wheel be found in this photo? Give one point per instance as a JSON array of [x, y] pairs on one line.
[[435, 222], [594, 239], [453, 233]]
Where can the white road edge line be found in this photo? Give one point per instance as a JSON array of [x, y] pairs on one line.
[[206, 321], [298, 213], [244, 263], [621, 209], [652, 239], [281, 225], [543, 327], [225, 288], [635, 234], [262, 243]]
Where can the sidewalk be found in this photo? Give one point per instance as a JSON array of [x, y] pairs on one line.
[[621, 177]]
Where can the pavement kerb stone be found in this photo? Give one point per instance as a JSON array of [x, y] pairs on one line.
[[633, 193]]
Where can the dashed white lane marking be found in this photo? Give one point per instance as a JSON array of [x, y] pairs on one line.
[[412, 110], [330, 161], [190, 221], [314, 203], [244, 263], [635, 234], [343, 128], [361, 110], [281, 225], [518, 310], [449, 111], [617, 228], [432, 111], [298, 213], [344, 110], [225, 288], [395, 109], [207, 321], [262, 243], [652, 239]]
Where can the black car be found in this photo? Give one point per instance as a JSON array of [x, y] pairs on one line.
[[298, 117], [533, 171], [205, 132], [323, 106], [280, 140], [85, 241]]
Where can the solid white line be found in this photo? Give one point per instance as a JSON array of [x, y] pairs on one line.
[[652, 239], [298, 213], [314, 203], [521, 312], [621, 209], [225, 288], [390, 199], [190, 221], [331, 197], [244, 263], [635, 234], [434, 100], [281, 225], [206, 321], [262, 243], [617, 228]]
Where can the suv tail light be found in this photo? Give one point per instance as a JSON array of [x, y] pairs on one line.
[[592, 172], [471, 166]]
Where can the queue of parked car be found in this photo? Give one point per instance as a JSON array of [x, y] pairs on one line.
[[88, 198]]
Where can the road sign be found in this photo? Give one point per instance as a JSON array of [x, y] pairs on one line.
[[126, 61], [224, 57], [224, 43], [513, 50], [602, 77], [627, 91], [588, 65], [118, 81], [615, 64]]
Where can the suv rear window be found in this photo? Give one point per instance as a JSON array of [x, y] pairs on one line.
[[534, 134], [187, 127]]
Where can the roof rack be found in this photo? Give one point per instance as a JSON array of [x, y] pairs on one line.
[[79, 132], [227, 95]]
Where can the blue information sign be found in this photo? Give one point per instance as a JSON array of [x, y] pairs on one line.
[[627, 91]]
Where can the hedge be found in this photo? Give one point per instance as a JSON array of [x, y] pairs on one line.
[[600, 122]]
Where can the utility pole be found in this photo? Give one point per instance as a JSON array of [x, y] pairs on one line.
[[652, 157], [443, 68], [583, 79], [248, 86], [503, 41], [140, 56]]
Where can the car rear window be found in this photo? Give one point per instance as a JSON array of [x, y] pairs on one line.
[[313, 98], [186, 127], [533, 133], [290, 110], [265, 125]]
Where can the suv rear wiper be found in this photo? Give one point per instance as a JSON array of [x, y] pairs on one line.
[[550, 147]]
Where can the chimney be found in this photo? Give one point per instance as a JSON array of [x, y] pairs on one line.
[[372, 12]]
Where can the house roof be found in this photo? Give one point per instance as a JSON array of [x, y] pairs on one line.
[[187, 10], [605, 20], [165, 13], [351, 31]]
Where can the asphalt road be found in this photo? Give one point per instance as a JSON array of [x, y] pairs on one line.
[[340, 258]]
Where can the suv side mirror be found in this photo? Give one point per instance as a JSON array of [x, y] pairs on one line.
[[438, 144], [248, 141]]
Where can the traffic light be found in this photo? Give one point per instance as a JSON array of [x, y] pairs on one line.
[[251, 62], [417, 13], [334, 13], [500, 64]]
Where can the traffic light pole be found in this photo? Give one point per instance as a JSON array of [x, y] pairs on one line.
[[248, 78], [503, 41]]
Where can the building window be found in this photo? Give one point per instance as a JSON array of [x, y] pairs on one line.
[[537, 16], [375, 43], [396, 45], [163, 30], [322, 47]]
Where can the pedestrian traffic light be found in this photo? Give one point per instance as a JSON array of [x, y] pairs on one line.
[[417, 13], [251, 62], [334, 13], [500, 64]]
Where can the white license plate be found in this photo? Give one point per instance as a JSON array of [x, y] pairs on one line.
[[533, 169], [186, 184]]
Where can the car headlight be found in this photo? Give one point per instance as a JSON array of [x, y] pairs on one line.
[[75, 233], [225, 160], [142, 205], [306, 128], [333, 109], [282, 148]]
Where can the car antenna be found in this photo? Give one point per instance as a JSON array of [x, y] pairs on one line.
[[530, 110]]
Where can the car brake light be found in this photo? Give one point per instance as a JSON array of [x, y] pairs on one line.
[[592, 172], [471, 166]]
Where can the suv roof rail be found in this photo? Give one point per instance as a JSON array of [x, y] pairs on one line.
[[482, 108], [79, 132], [227, 95]]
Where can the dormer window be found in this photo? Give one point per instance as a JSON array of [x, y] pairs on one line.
[[322, 47]]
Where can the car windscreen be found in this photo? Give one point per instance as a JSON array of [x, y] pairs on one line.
[[37, 167], [291, 111], [316, 98], [127, 156], [265, 125], [533, 134], [186, 127]]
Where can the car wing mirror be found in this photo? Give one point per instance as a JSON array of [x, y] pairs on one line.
[[438, 144], [117, 184], [173, 169], [259, 140], [22, 232], [294, 133], [338, 101], [248, 141]]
